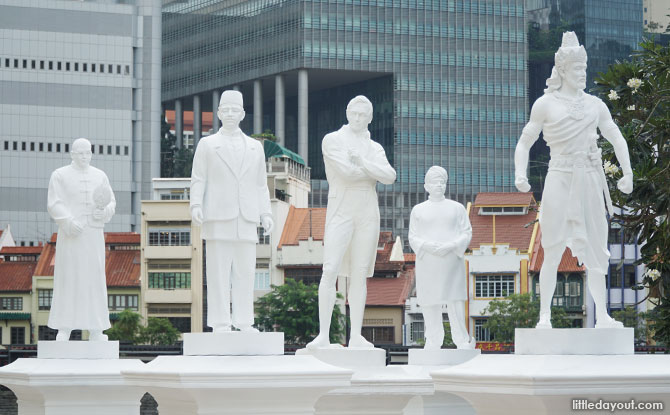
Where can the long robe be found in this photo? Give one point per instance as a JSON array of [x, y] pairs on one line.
[[439, 278], [80, 288]]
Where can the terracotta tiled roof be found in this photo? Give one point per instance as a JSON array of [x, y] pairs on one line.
[[16, 276], [122, 238], [510, 229], [568, 262], [21, 250], [504, 199], [383, 262], [301, 223], [45, 265], [122, 268], [390, 291]]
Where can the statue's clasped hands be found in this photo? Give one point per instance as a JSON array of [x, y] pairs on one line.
[[438, 248]]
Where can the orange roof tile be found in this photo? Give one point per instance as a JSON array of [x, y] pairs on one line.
[[122, 268], [45, 265], [122, 238], [510, 229], [504, 199], [301, 223], [16, 276], [568, 262], [390, 291], [21, 250]]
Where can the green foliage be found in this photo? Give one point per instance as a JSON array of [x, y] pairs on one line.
[[175, 162], [129, 328], [643, 115], [447, 342], [294, 309], [518, 311], [266, 135], [630, 317]]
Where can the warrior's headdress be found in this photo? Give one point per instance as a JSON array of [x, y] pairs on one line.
[[570, 51]]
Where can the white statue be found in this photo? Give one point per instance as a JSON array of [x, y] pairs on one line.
[[576, 197], [354, 164], [439, 234], [81, 201], [229, 198]]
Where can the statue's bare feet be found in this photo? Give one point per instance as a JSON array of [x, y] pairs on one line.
[[607, 322], [545, 321], [359, 342], [322, 341], [97, 336]]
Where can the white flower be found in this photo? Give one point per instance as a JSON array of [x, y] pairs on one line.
[[653, 274], [610, 169], [631, 108], [634, 83], [613, 96]]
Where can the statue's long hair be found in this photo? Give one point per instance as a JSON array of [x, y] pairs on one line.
[[553, 82]]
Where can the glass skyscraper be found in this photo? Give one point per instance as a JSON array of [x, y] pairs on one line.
[[448, 80]]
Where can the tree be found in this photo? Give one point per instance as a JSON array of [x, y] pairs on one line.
[[266, 135], [630, 317], [518, 311], [637, 93], [159, 331], [175, 162], [294, 309], [127, 328]]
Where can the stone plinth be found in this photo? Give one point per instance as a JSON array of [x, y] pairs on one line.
[[614, 341], [532, 384], [190, 385], [441, 357], [350, 358], [47, 349], [233, 343], [72, 386]]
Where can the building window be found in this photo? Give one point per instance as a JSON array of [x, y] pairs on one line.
[[262, 238], [51, 65], [101, 149], [379, 335], [6, 145], [23, 146], [67, 66], [15, 145], [46, 333], [125, 150], [109, 150], [58, 66], [76, 66], [416, 331], [482, 334], [122, 302], [494, 286], [57, 147], [44, 299], [11, 303], [49, 147], [118, 150], [32, 146], [41, 146], [169, 237], [67, 148], [18, 335], [262, 279], [170, 280], [306, 275], [615, 277], [183, 324], [502, 210]]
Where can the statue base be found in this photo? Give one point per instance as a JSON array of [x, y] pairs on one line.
[[234, 343], [51, 349], [350, 358], [614, 341], [441, 357]]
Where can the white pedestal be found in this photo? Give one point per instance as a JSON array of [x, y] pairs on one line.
[[233, 343], [190, 385], [350, 358], [72, 386], [48, 349], [441, 357], [531, 384], [573, 341]]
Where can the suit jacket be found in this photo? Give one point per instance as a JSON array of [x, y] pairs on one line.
[[224, 191]]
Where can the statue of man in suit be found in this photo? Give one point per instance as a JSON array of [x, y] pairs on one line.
[[229, 197], [354, 164]]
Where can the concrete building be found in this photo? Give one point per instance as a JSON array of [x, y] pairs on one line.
[[656, 11], [72, 69], [448, 81]]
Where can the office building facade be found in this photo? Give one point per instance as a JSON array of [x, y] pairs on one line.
[[71, 69], [447, 79]]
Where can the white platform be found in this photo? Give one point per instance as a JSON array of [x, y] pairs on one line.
[[574, 341], [350, 358], [441, 357], [190, 385], [531, 384], [73, 386], [234, 343], [51, 349]]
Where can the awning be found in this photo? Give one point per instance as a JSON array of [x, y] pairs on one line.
[[273, 149], [14, 316]]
